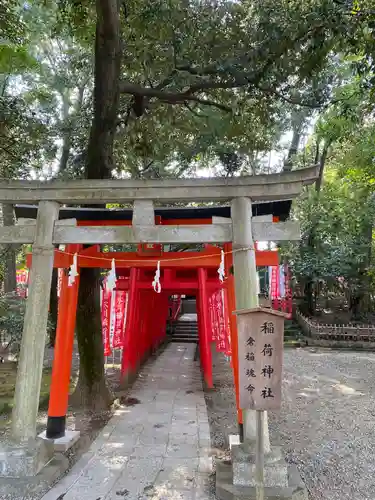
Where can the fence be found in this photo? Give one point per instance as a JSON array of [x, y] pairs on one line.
[[323, 333]]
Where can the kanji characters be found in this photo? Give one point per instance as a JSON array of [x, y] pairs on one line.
[[268, 327], [267, 350], [267, 393], [267, 371]]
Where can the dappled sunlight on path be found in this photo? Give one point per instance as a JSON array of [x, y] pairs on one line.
[[158, 449]]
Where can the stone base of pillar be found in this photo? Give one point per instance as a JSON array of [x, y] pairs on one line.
[[64, 443], [37, 485], [243, 466], [226, 490], [26, 459]]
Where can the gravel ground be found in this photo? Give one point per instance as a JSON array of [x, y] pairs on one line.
[[326, 422]]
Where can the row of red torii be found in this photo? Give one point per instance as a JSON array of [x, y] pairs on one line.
[[235, 232], [183, 273]]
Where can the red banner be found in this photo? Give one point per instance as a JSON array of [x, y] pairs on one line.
[[106, 321], [288, 293], [228, 348], [215, 319], [60, 273], [221, 341], [211, 313], [22, 277], [219, 322], [120, 307], [275, 286]]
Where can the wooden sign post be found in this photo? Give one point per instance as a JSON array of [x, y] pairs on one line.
[[260, 348], [260, 344]]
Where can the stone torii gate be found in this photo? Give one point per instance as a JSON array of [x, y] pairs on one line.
[[49, 231]]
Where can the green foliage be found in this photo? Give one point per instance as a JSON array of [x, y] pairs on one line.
[[15, 60], [250, 57], [340, 219], [12, 27], [24, 138], [12, 313]]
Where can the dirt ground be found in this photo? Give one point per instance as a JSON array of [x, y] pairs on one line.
[[326, 422]]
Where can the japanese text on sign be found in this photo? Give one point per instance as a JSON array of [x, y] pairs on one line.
[[260, 334]]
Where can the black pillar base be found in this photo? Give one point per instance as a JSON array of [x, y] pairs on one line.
[[55, 427], [240, 431]]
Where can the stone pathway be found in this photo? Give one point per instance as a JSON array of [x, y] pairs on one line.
[[158, 449]]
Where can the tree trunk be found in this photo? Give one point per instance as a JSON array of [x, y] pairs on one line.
[[10, 276], [67, 136], [65, 153], [311, 242], [298, 121], [92, 391], [365, 303]]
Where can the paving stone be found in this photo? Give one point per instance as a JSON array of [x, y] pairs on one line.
[[182, 451], [97, 478], [177, 478], [157, 437], [156, 450]]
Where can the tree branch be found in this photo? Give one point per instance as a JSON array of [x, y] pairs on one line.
[[169, 97], [290, 100], [192, 110], [225, 76]]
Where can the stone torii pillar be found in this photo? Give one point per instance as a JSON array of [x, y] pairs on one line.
[[30, 365], [245, 280]]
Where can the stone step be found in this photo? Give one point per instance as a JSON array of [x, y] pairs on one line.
[[184, 323], [185, 326], [185, 334], [187, 340]]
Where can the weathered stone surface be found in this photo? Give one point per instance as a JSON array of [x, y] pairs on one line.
[[226, 490], [64, 443], [30, 365], [151, 451], [243, 460], [275, 474], [210, 233], [34, 486], [27, 459], [246, 290], [284, 186], [245, 453]]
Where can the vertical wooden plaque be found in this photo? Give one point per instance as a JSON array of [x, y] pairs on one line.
[[260, 351]]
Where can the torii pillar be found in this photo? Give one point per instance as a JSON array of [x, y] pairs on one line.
[[30, 365], [245, 280]]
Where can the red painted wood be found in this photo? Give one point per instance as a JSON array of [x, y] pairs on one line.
[[233, 325], [204, 337], [127, 356], [63, 351], [171, 260]]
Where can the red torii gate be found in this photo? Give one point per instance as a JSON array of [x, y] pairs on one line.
[[185, 273]]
